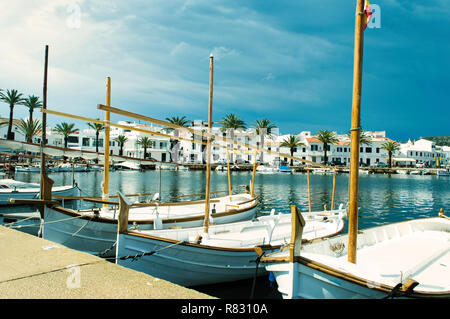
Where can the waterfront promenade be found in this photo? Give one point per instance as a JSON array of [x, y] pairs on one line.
[[34, 268]]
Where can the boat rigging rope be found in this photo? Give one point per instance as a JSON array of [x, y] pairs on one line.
[[135, 257], [10, 225]]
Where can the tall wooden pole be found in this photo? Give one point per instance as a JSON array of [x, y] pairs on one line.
[[46, 183], [105, 189], [334, 189], [309, 191], [208, 146], [355, 132], [255, 164], [229, 176], [44, 115]]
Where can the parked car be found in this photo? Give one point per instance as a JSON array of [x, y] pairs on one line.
[[381, 164], [420, 165]]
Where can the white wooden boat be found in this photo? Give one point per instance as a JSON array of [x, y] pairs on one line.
[[267, 169], [128, 165], [401, 171], [95, 230], [391, 258], [405, 259], [322, 172], [221, 168], [415, 172], [28, 169], [191, 256], [10, 188], [182, 168]]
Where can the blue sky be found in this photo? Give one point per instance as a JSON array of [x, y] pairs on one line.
[[288, 61]]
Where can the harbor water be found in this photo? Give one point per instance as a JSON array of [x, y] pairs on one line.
[[383, 199]]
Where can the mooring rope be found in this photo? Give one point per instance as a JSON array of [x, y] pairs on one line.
[[149, 253], [9, 225]]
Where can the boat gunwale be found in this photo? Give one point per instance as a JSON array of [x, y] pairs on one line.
[[349, 277], [263, 246], [101, 219]]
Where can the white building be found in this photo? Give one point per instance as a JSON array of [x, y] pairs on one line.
[[426, 152]]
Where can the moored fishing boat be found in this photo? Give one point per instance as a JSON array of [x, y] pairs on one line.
[[406, 259], [95, 230], [222, 253], [13, 189], [443, 172]]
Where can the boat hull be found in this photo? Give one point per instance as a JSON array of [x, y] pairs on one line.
[[417, 249], [93, 234], [23, 193], [225, 254], [188, 265]]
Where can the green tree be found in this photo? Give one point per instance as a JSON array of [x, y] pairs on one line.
[[29, 128], [12, 97], [263, 128], [121, 139], [97, 127], [292, 142], [390, 147], [65, 129], [327, 138], [231, 123], [32, 102], [364, 138], [175, 143], [145, 142]]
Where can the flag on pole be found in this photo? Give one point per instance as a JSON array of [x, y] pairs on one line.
[[367, 14]]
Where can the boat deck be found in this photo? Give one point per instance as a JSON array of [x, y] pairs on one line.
[[423, 256], [166, 211]]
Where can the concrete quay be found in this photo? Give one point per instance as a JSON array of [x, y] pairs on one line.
[[34, 268]]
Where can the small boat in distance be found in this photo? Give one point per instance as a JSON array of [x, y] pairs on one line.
[[13, 189], [284, 169], [443, 172]]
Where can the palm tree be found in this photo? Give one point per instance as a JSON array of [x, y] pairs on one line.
[[29, 128], [364, 138], [292, 142], [263, 128], [121, 139], [65, 130], [174, 143], [145, 142], [326, 137], [232, 122], [32, 103], [98, 127], [390, 147], [12, 97]]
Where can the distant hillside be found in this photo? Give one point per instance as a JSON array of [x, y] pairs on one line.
[[439, 140]]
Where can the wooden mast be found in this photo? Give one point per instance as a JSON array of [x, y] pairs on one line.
[[208, 146], [355, 130], [46, 183], [105, 188], [229, 176]]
